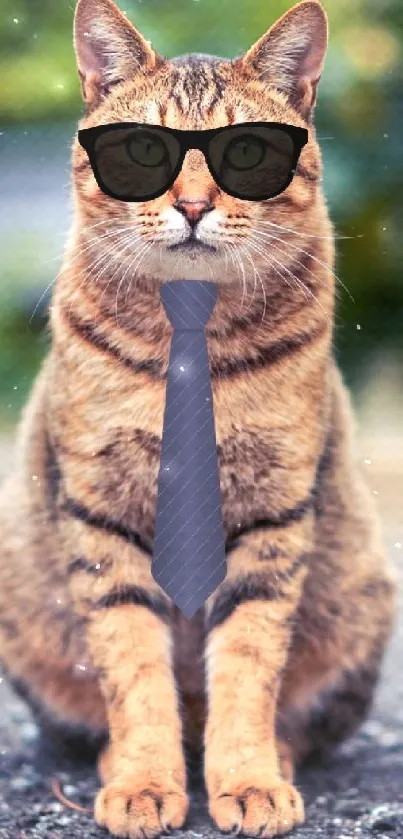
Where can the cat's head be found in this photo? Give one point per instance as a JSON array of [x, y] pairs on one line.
[[123, 79]]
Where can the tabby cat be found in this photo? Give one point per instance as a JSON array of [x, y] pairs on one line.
[[284, 658]]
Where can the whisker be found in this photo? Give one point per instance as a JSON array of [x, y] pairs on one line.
[[257, 238], [244, 285], [297, 280], [298, 261], [43, 295], [104, 260], [308, 233], [133, 247], [126, 240], [102, 221], [264, 299], [67, 264], [243, 249], [311, 255], [256, 274], [262, 253], [145, 247], [95, 240], [226, 256], [234, 257], [115, 231], [133, 277], [143, 253]]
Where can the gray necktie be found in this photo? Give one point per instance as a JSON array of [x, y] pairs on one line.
[[189, 548]]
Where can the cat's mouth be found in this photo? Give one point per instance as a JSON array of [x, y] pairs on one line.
[[192, 244]]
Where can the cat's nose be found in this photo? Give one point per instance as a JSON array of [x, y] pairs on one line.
[[193, 210]]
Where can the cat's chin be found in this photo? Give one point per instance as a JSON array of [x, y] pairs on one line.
[[190, 264]]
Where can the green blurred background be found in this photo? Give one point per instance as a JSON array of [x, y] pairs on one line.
[[359, 122]]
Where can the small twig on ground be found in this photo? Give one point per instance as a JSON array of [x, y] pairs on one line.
[[57, 792]]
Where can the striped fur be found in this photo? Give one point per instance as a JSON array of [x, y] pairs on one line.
[[286, 656]]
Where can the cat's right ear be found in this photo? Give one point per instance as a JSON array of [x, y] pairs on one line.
[[290, 56], [109, 49]]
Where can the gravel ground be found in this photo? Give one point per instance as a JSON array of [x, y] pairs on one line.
[[358, 794]]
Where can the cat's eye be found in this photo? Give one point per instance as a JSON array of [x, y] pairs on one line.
[[245, 152], [146, 150], [253, 161]]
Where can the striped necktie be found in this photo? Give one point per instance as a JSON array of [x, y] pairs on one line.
[[189, 548]]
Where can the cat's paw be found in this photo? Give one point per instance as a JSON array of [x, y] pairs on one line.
[[129, 807], [258, 811]]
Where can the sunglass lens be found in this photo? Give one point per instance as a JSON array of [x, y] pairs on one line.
[[252, 162], [136, 163]]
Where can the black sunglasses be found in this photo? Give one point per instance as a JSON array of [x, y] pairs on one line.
[[137, 162]]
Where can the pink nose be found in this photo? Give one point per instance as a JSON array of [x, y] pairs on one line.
[[193, 210]]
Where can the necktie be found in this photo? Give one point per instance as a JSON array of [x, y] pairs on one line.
[[189, 549]]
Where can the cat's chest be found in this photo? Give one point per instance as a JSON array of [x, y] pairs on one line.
[[119, 461], [127, 480]]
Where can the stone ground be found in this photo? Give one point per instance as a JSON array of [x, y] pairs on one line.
[[358, 794]]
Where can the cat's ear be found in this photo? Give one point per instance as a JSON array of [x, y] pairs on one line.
[[291, 54], [109, 49]]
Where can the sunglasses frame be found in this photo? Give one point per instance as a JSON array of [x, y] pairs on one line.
[[190, 139]]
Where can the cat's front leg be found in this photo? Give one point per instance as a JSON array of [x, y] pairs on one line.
[[250, 625], [129, 642]]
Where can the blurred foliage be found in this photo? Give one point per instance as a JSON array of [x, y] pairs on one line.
[[23, 327], [359, 122]]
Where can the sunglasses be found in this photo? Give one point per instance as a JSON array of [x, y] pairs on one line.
[[137, 162]]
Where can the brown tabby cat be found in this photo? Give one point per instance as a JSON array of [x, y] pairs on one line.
[[293, 639]]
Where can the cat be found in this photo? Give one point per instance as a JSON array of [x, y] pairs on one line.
[[283, 661]]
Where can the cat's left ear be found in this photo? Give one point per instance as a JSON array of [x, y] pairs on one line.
[[109, 49], [291, 55]]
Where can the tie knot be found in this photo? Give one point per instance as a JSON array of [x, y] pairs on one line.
[[188, 303]]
